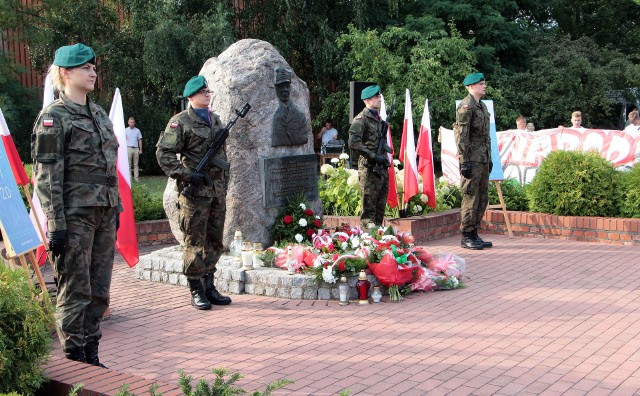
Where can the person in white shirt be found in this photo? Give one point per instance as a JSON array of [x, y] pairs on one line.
[[134, 146], [328, 132], [634, 123]]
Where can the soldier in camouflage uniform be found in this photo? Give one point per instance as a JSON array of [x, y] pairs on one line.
[[364, 138], [75, 150], [189, 134], [474, 152]]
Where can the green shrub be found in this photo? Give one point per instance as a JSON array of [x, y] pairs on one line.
[[515, 197], [146, 207], [572, 183], [630, 193], [25, 332], [339, 190]]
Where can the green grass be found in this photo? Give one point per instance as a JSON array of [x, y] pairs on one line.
[[153, 185]]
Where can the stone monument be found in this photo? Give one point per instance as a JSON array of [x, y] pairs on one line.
[[261, 176]]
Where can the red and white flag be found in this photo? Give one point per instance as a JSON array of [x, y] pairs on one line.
[[425, 154], [12, 154], [127, 242], [392, 196], [408, 152]]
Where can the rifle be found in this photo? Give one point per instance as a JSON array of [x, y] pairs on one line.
[[215, 146], [383, 149]]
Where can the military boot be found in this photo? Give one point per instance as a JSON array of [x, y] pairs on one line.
[[485, 244], [469, 242], [198, 299], [212, 294], [91, 354], [77, 355]]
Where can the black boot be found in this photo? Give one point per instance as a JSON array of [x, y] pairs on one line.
[[91, 354], [469, 242], [198, 299], [77, 355], [212, 294], [485, 244]]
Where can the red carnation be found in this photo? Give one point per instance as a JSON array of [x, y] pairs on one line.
[[341, 266], [288, 219], [317, 223], [310, 232], [308, 212]]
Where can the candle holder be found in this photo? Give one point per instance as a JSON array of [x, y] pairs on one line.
[[257, 252], [247, 256], [376, 294], [343, 288], [363, 286], [235, 249], [291, 261]]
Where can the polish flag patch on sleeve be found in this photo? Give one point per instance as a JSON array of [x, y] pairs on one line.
[[48, 122], [174, 125]]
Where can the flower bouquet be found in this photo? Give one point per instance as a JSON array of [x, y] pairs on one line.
[[392, 274], [295, 222], [447, 271]]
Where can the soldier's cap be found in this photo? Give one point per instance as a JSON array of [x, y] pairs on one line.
[[195, 84], [74, 56], [282, 76], [371, 90], [473, 78]]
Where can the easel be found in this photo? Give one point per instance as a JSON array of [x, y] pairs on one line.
[[502, 206]]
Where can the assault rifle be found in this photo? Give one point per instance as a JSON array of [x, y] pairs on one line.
[[215, 146], [383, 148]]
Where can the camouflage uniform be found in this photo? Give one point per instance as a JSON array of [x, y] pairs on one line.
[[364, 137], [474, 146], [75, 151], [201, 219]]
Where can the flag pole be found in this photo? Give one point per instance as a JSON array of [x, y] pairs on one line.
[[36, 266]]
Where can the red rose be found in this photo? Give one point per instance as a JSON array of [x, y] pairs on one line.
[[310, 232], [341, 266], [308, 212], [317, 223], [288, 219]]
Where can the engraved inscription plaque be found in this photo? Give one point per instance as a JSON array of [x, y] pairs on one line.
[[284, 177]]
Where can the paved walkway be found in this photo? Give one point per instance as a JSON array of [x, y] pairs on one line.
[[537, 317]]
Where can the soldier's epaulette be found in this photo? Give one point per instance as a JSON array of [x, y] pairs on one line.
[[359, 116]]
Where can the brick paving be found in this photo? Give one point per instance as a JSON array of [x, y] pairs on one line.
[[538, 316]]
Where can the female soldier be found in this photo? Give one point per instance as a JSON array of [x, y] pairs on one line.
[[74, 150]]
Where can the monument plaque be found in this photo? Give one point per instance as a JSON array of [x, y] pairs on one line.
[[284, 177]]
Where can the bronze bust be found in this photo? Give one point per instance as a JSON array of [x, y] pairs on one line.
[[289, 122]]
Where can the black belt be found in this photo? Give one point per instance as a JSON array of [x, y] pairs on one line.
[[91, 178]]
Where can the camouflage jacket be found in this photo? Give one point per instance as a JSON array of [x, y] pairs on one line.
[[472, 131], [365, 134], [188, 135], [75, 151]]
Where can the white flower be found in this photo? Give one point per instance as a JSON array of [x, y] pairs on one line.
[[327, 169], [352, 181], [317, 217], [424, 198], [445, 190], [344, 246], [344, 156], [302, 222], [417, 209], [396, 162], [334, 160], [355, 242], [303, 206], [453, 281], [299, 238], [327, 275], [443, 179]]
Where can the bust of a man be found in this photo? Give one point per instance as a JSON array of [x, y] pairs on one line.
[[289, 122]]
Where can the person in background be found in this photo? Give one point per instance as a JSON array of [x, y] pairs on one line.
[[474, 153], [190, 133], [75, 152], [521, 123], [328, 133], [634, 123], [531, 127], [134, 146]]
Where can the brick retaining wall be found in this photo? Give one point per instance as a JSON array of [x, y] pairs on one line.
[[578, 228], [154, 232]]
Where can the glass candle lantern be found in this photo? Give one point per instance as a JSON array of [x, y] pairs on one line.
[[247, 256], [362, 286], [343, 288], [257, 252], [376, 294], [291, 261], [236, 245]]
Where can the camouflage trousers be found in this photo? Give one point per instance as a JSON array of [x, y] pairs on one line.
[[475, 196], [373, 194], [202, 222], [84, 275]]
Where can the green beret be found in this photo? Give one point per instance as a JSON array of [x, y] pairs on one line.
[[473, 78], [194, 85], [74, 55], [370, 91]]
